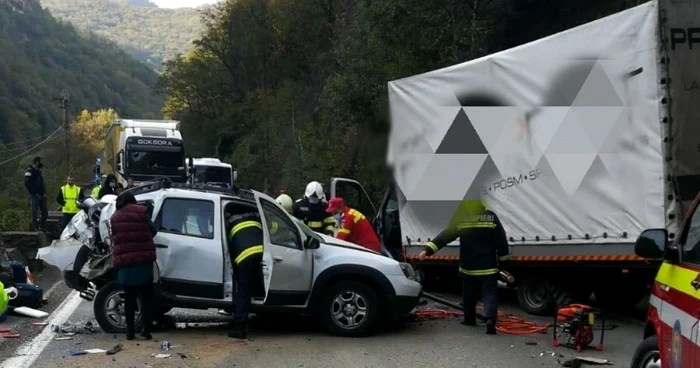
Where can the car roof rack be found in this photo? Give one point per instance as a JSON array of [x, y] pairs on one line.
[[166, 183]]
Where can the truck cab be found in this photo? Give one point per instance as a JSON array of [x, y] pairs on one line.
[[144, 150], [211, 171], [673, 318]]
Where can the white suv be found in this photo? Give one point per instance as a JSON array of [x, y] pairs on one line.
[[349, 288]]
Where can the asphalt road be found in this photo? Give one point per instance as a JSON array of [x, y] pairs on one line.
[[295, 342]]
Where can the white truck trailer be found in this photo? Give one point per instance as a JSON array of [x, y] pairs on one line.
[[578, 141], [144, 150]]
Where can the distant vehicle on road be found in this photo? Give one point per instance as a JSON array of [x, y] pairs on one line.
[[145, 150]]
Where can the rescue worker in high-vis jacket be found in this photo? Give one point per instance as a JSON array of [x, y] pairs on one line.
[[96, 190], [483, 249], [245, 236], [312, 210], [354, 226], [68, 197]]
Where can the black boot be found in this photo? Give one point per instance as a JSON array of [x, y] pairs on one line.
[[490, 328], [237, 330], [130, 334], [469, 321]]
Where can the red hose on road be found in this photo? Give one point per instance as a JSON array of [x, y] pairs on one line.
[[506, 323]]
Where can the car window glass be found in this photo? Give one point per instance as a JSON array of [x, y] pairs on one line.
[[354, 196], [188, 217], [280, 227], [691, 248]]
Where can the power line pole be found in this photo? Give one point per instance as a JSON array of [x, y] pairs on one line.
[[64, 106]]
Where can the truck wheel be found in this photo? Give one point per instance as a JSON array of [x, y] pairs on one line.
[[535, 296], [108, 308], [350, 309], [647, 354], [562, 295]]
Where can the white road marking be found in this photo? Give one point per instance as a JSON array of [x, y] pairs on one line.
[[52, 289], [28, 353]]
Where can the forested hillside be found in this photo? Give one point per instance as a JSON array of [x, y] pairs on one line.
[[149, 33], [296, 90], [40, 58]]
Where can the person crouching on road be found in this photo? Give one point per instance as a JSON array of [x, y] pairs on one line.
[[353, 225], [134, 254], [483, 248], [68, 197], [246, 250]]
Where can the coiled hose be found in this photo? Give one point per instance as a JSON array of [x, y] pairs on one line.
[[505, 323]]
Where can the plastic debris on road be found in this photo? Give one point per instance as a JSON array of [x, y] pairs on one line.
[[161, 356], [117, 348], [95, 351], [165, 345]]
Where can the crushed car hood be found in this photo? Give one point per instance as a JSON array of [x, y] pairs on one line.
[[329, 240]]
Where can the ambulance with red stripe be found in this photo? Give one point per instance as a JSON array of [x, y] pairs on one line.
[[671, 334]]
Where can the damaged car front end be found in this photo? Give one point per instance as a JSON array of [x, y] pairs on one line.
[[80, 252]]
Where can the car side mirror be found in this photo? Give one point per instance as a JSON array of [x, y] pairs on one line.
[[312, 243], [652, 244]]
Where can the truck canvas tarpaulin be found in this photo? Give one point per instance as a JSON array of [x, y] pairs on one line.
[[562, 137]]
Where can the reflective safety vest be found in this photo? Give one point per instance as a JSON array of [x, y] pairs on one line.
[[96, 191], [70, 198]]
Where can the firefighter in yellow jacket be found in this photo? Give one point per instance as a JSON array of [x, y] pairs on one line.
[[483, 249]]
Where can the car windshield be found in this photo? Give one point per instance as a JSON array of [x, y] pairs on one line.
[[154, 162], [212, 174], [307, 230]]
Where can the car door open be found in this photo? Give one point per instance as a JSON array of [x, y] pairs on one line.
[[287, 266], [190, 254], [354, 195]]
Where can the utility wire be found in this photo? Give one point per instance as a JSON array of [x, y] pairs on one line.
[[26, 141], [51, 136]]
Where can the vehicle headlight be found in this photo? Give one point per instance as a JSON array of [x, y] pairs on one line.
[[408, 271]]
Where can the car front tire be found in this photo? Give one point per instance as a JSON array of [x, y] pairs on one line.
[[350, 309], [109, 309]]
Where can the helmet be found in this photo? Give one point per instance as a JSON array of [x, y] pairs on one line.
[[314, 190], [286, 202]]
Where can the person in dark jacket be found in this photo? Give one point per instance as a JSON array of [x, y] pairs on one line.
[[109, 186], [483, 248], [312, 210], [34, 182], [134, 254]]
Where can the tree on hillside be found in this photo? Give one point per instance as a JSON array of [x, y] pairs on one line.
[[293, 91], [147, 32], [89, 128]]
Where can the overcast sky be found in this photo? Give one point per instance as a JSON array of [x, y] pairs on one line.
[[182, 3]]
